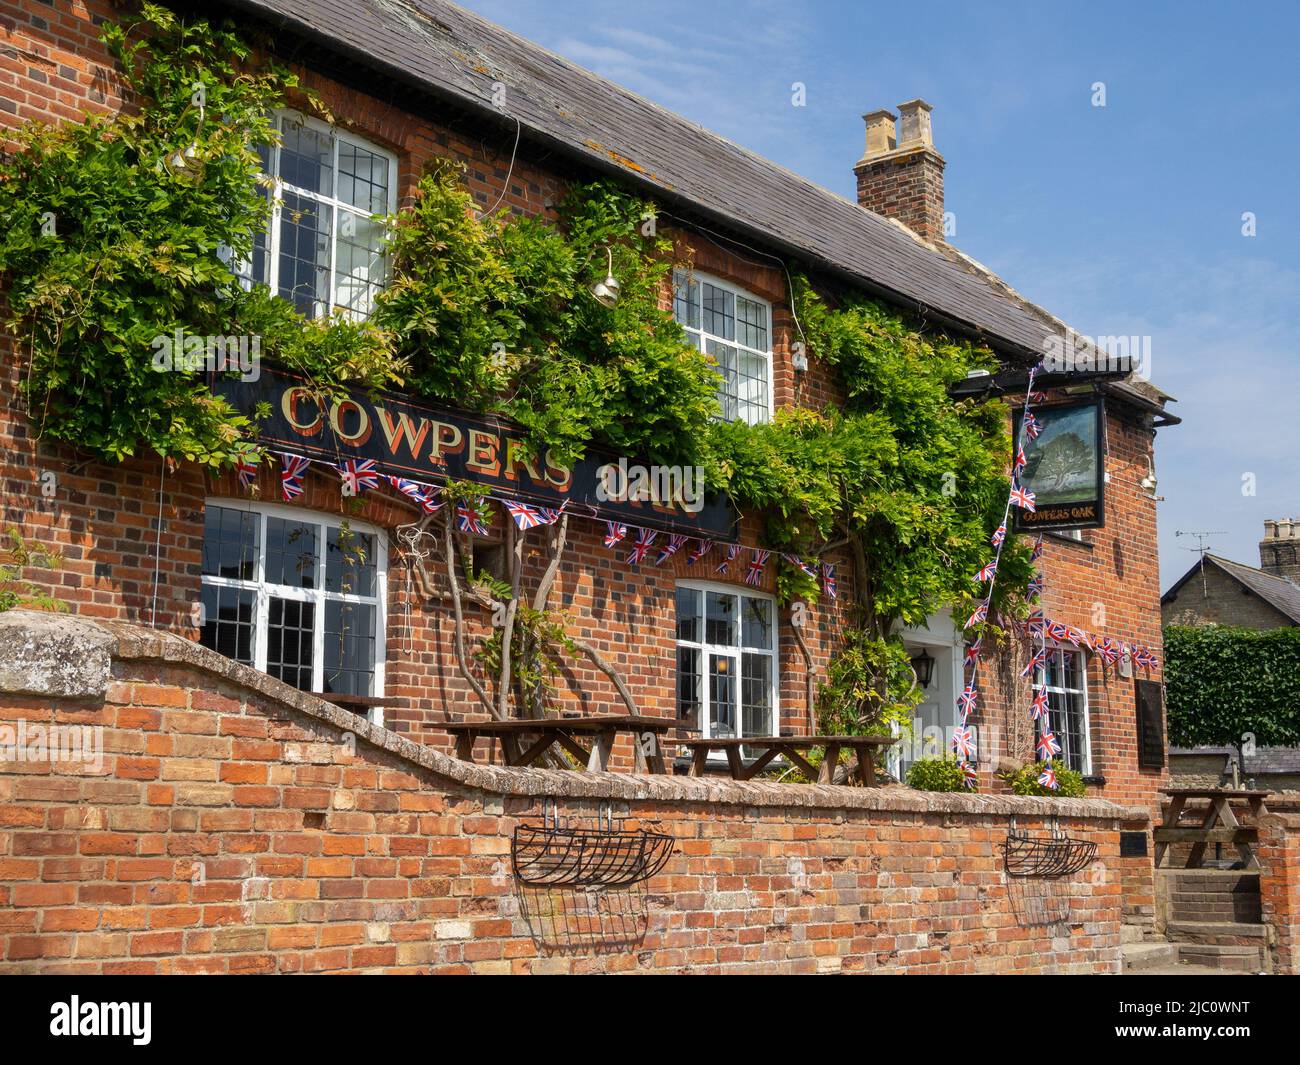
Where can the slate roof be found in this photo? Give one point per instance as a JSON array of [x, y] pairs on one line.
[[1279, 592], [1264, 760], [453, 54]]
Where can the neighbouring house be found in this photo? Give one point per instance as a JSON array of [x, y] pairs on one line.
[[218, 558]]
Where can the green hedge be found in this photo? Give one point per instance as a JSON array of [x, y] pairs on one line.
[[1222, 682]]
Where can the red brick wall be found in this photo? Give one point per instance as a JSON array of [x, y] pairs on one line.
[[104, 519], [236, 825], [1279, 886]]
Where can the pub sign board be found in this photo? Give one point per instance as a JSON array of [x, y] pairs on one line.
[[406, 439], [1064, 468]]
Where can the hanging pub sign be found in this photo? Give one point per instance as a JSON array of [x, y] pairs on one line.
[[408, 440], [1064, 467]]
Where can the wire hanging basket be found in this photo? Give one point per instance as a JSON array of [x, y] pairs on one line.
[[1047, 857], [547, 855]]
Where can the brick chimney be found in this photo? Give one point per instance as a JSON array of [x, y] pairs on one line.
[[901, 175], [1279, 551]]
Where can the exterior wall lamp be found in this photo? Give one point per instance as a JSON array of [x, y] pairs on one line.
[[923, 667]]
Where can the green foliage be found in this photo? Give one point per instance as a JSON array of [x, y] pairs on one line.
[[1024, 781], [107, 243], [495, 315], [936, 774], [1223, 682], [869, 688], [16, 592]]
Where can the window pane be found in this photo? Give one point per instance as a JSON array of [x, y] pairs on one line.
[[306, 158], [751, 387], [722, 696], [725, 357], [363, 179], [757, 695], [230, 542], [686, 299], [359, 263], [349, 648], [720, 619], [719, 311], [291, 553], [688, 614], [689, 683], [290, 629], [350, 564], [305, 227], [228, 621], [756, 623], [751, 322]]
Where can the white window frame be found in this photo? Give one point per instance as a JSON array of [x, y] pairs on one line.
[[317, 595], [1085, 727], [734, 652], [279, 187], [702, 337]]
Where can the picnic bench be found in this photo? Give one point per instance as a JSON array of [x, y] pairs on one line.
[[564, 732], [771, 747], [1218, 823]]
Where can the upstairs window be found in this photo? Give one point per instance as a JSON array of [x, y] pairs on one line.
[[323, 249], [734, 329]]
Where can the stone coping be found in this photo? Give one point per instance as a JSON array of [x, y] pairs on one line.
[[66, 656]]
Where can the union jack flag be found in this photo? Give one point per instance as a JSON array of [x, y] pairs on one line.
[[1035, 586], [614, 533], [1144, 658], [966, 701], [293, 468], [1047, 745], [1032, 426], [1020, 461], [963, 742], [1037, 397], [359, 474], [972, 655], [1035, 660], [1022, 497], [420, 493], [986, 574], [969, 776], [799, 563], [999, 534], [671, 548], [829, 584], [526, 516], [246, 468], [1037, 552], [1078, 637], [754, 571], [1036, 622], [701, 548], [469, 520], [732, 551], [1047, 778], [1109, 650], [641, 548], [1054, 630], [1039, 709], [981, 612]]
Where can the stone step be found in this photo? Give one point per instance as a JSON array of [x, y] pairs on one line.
[[1133, 933], [1142, 956], [1224, 957], [1224, 932]]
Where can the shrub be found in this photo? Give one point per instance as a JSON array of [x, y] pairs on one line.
[[936, 774], [1024, 781]]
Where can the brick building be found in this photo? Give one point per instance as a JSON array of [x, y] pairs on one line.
[[412, 82]]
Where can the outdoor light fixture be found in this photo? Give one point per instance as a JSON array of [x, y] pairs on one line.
[[606, 292], [800, 362], [1148, 482], [923, 667]]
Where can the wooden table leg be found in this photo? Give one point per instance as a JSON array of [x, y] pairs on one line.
[[566, 740], [465, 746], [655, 758], [867, 766], [734, 763], [826, 774], [1196, 857], [759, 763], [535, 752], [601, 748], [699, 759], [1176, 805]]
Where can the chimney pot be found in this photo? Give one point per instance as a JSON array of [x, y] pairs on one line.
[[914, 125], [1270, 529], [881, 134]]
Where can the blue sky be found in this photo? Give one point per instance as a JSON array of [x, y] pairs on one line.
[[1122, 220]]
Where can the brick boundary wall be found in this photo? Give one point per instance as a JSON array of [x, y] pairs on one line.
[[239, 825], [1279, 886]]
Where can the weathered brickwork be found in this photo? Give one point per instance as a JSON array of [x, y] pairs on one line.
[[1279, 885], [236, 825], [1214, 598], [118, 564]]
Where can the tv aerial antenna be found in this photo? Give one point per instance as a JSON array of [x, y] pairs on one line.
[[1202, 549]]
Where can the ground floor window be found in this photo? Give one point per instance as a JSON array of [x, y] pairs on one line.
[[1066, 675], [295, 594], [726, 660]]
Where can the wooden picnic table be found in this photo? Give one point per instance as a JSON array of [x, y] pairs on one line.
[[600, 730], [1219, 824], [790, 746]]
